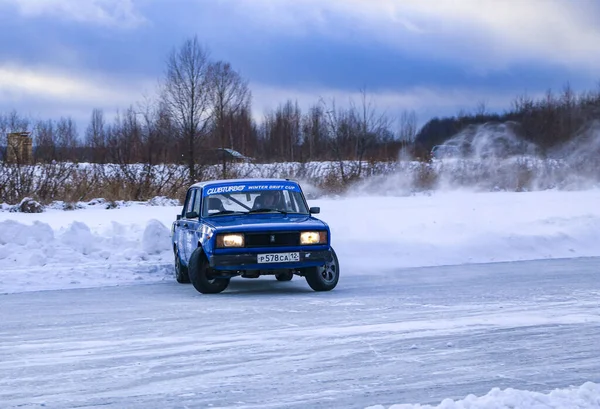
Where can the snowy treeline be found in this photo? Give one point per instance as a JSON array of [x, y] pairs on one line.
[[73, 182]]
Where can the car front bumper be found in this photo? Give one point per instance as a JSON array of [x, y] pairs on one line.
[[248, 261]]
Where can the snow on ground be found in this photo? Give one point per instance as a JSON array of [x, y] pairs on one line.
[[97, 246], [402, 335], [463, 227], [587, 396]]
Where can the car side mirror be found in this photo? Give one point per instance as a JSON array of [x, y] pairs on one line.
[[191, 215], [315, 210], [178, 217]]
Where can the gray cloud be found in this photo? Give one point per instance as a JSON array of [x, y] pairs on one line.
[[489, 33], [433, 57], [110, 13]]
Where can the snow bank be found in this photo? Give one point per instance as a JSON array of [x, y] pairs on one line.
[[587, 396], [156, 238], [372, 235], [38, 256]]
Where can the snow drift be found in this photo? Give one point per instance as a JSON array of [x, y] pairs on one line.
[[37, 257], [586, 396]]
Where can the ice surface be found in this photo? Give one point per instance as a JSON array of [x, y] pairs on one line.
[[377, 339]]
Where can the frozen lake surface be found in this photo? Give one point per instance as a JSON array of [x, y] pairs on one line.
[[414, 335]]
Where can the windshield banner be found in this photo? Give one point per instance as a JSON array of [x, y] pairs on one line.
[[229, 188]]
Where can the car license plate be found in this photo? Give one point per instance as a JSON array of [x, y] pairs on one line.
[[278, 257]]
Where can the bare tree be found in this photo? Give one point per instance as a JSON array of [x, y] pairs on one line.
[[45, 141], [481, 108], [282, 132], [186, 93], [95, 136], [244, 128], [66, 138], [313, 132], [354, 133], [124, 138], [292, 118], [337, 133], [153, 144], [408, 126], [371, 126], [14, 122], [230, 95]]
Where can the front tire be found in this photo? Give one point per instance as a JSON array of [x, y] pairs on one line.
[[200, 275], [181, 272], [324, 278]]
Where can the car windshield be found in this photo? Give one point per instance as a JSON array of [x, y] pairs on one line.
[[226, 200]]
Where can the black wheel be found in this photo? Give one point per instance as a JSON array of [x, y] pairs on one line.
[[287, 276], [324, 278], [181, 272], [199, 272]]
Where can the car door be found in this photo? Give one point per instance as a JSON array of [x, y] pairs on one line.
[[182, 226], [193, 223], [179, 225], [189, 225]]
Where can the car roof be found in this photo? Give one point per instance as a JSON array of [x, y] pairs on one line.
[[244, 180]]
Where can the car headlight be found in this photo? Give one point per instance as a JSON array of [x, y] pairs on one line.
[[230, 240], [313, 237]]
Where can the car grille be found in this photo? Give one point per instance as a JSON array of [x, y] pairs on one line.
[[275, 239]]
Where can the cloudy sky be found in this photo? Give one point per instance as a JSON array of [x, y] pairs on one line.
[[65, 57]]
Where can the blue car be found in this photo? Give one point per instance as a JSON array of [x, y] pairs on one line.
[[250, 228]]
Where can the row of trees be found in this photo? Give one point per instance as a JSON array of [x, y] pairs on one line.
[[203, 104]]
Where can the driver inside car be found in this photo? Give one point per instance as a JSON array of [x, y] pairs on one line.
[[269, 200]]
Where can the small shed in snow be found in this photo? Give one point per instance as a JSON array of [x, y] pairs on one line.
[[19, 148]]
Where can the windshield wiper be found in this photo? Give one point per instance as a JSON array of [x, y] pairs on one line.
[[224, 212], [266, 210]]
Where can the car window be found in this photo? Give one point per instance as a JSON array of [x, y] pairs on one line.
[[293, 202], [189, 201], [192, 202], [286, 201], [235, 202], [197, 200]]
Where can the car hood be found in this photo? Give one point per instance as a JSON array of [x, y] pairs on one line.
[[262, 222]]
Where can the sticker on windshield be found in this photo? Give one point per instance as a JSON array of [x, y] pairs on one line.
[[225, 189]]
